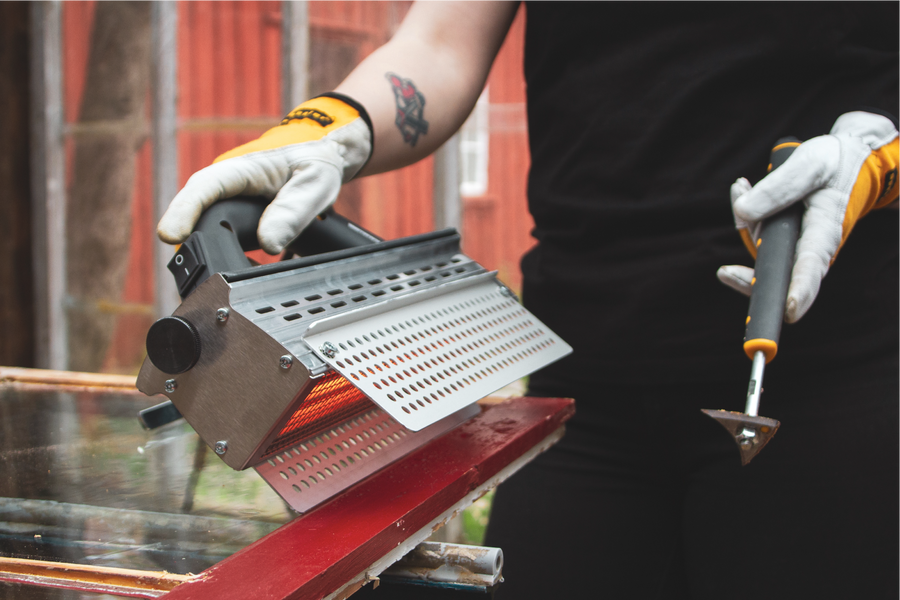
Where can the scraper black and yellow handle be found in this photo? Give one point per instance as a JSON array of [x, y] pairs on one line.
[[772, 273]]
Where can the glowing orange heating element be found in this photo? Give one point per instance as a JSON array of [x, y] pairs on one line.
[[333, 400]]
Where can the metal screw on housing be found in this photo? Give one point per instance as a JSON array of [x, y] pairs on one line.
[[171, 384], [286, 361], [221, 447], [328, 349], [222, 315]]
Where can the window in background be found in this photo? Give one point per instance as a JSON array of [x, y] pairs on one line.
[[473, 150]]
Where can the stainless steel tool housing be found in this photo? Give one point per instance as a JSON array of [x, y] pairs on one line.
[[434, 326]]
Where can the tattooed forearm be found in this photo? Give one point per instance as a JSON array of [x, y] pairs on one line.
[[410, 105]]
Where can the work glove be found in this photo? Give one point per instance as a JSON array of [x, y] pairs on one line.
[[300, 165], [839, 177]]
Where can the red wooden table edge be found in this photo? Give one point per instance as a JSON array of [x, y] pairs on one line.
[[316, 554]]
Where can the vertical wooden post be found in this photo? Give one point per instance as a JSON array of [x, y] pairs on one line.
[[16, 284], [48, 186], [106, 140], [294, 53], [164, 28]]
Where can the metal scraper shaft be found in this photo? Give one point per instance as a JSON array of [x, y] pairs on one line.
[[754, 390]]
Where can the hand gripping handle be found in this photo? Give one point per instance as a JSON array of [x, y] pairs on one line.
[[772, 273], [228, 228]]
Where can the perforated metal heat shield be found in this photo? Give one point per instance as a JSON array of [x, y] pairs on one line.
[[389, 346], [427, 359]]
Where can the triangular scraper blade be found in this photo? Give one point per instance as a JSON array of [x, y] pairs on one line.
[[750, 434]]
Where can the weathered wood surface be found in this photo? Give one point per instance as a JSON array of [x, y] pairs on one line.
[[100, 580], [47, 377]]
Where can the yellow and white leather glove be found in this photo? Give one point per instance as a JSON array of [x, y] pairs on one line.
[[839, 177], [300, 165]]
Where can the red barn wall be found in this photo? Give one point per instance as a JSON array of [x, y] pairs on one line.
[[496, 226], [229, 79]]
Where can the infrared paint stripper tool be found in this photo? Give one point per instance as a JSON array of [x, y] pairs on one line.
[[318, 371]]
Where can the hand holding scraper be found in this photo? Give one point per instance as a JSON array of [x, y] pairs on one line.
[[775, 246], [829, 183]]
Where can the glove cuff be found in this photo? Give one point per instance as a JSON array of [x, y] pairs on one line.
[[363, 114], [334, 117], [876, 185]]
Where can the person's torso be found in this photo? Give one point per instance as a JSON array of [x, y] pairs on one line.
[[640, 116]]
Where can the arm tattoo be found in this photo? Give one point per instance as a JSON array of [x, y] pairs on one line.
[[410, 104]]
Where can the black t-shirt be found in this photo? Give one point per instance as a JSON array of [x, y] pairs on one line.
[[640, 116]]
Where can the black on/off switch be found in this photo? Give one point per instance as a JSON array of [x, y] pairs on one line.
[[185, 267]]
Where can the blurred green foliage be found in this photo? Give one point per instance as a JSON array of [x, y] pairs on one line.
[[475, 519]]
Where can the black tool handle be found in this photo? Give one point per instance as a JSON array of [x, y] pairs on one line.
[[772, 274], [330, 232], [228, 228]]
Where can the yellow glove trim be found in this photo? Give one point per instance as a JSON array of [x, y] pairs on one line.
[[312, 120], [875, 187], [889, 155]]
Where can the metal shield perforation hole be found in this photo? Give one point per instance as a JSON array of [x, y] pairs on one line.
[[333, 400], [328, 299], [423, 363], [331, 460], [328, 453]]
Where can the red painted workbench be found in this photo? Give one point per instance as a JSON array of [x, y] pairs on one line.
[[338, 547]]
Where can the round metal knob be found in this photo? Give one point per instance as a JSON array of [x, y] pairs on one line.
[[173, 345]]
